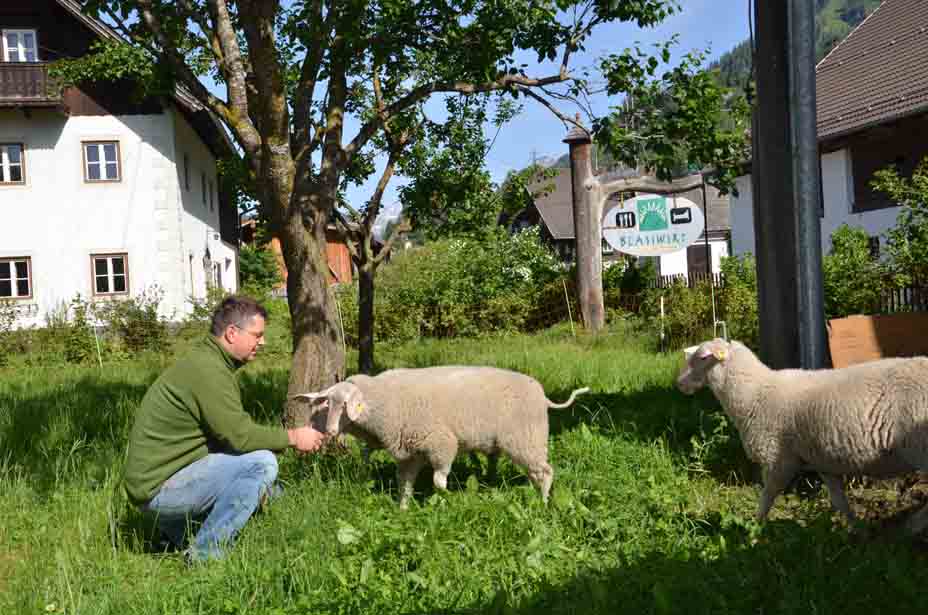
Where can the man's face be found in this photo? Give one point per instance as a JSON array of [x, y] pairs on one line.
[[244, 340]]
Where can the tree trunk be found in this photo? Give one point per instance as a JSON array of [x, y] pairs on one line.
[[366, 318], [318, 350]]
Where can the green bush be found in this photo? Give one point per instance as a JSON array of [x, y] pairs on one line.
[[738, 299], [687, 313], [458, 287], [135, 321], [258, 269], [907, 241], [852, 278]]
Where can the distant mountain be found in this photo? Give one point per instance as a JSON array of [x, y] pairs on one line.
[[834, 19]]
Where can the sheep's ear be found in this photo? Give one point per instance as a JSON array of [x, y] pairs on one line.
[[314, 398], [355, 407]]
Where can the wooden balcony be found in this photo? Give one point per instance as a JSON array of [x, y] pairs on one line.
[[27, 84]]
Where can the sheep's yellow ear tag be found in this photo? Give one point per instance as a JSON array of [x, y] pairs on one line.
[[360, 408], [721, 354]]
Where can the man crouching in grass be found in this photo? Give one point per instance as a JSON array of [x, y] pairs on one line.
[[193, 451]]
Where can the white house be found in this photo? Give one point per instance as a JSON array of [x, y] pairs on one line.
[[106, 196], [872, 99]]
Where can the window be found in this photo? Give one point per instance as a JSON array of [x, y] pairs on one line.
[[11, 163], [20, 46], [15, 278], [211, 195], [110, 274], [217, 275], [203, 186], [186, 172], [900, 146], [874, 244], [101, 161]]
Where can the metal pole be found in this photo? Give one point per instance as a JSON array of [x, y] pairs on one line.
[[705, 210], [772, 180], [806, 193], [785, 180]]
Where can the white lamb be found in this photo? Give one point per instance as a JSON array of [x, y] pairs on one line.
[[428, 415], [869, 419]]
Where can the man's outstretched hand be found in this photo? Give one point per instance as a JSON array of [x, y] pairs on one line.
[[305, 439]]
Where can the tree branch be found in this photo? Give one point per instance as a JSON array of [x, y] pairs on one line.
[[303, 98], [402, 227], [648, 183], [505, 82], [247, 137], [228, 54]]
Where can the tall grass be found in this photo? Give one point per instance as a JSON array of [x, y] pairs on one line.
[[650, 511]]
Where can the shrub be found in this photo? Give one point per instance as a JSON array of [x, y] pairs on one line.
[[738, 299], [135, 320], [258, 269], [851, 276], [687, 312], [907, 241], [458, 287]]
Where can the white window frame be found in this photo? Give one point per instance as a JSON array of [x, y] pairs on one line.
[[21, 49], [13, 279], [101, 162], [110, 276], [6, 165]]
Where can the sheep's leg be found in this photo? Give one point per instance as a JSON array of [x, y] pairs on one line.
[[492, 467], [441, 459], [835, 484], [776, 478], [917, 523], [406, 473]]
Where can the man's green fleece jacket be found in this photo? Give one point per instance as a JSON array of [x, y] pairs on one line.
[[193, 408]]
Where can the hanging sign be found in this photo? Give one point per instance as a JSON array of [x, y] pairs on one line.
[[649, 225]]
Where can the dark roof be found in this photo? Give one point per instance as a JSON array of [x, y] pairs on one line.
[[556, 207], [878, 73]]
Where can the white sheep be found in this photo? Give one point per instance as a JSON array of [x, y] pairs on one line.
[[428, 415], [867, 419]]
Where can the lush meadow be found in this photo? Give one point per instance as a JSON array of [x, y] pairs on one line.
[[650, 512]]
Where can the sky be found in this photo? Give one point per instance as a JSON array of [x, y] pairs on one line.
[[716, 25]]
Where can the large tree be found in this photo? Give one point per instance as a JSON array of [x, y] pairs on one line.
[[295, 96]]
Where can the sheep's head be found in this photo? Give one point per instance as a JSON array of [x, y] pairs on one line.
[[700, 362], [341, 402]]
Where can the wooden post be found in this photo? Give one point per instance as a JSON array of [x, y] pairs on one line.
[[588, 229]]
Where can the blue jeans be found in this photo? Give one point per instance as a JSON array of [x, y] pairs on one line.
[[225, 489]]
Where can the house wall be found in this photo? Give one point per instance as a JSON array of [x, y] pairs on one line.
[[58, 220], [200, 221], [837, 198], [676, 263]]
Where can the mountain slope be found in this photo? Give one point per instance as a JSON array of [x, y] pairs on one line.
[[834, 19]]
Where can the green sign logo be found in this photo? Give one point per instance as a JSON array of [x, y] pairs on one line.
[[652, 214]]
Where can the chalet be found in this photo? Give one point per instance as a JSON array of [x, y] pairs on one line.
[[107, 196], [872, 113]]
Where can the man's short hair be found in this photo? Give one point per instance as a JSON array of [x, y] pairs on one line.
[[235, 310]]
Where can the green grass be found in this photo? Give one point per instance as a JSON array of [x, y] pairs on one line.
[[650, 511]]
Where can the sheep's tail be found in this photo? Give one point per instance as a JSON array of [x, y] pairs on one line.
[[569, 401]]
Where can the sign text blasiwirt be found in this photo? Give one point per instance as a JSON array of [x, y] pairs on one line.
[[649, 225]]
